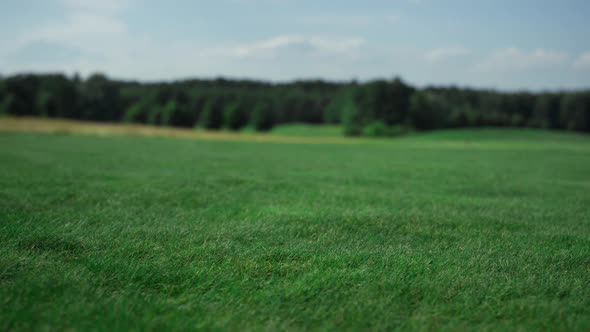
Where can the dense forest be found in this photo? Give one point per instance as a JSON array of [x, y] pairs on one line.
[[376, 108]]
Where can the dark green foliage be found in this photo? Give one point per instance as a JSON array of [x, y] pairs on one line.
[[262, 117], [58, 96], [182, 117], [517, 120], [137, 112], [168, 112], [462, 117], [428, 111], [375, 129], [546, 111], [235, 117], [334, 110], [212, 103], [4, 104], [45, 104], [154, 114], [21, 95], [387, 101], [575, 112], [212, 115], [100, 99], [351, 119], [397, 130], [332, 113], [398, 102], [181, 114]]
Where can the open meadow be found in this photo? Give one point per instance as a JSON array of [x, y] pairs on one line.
[[451, 230]]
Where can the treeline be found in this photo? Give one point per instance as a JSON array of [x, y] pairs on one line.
[[377, 108]]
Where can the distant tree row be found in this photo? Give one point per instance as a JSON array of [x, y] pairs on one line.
[[377, 108]]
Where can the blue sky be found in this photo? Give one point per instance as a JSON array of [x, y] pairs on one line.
[[518, 44]]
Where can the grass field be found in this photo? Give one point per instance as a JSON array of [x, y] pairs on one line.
[[477, 230], [305, 130]]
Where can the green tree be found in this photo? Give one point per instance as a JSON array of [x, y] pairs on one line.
[[57, 96], [168, 112], [22, 94], [575, 112], [428, 111], [541, 112], [462, 117], [136, 113], [101, 99], [262, 117], [45, 104], [351, 119], [5, 104], [333, 110], [212, 115], [386, 101], [235, 116], [154, 114]]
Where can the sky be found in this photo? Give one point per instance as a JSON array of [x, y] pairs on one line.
[[501, 44]]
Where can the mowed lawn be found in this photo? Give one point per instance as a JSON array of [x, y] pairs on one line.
[[478, 230]]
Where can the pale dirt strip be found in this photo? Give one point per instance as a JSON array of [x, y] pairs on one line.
[[63, 126]]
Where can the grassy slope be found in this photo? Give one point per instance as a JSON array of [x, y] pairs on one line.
[[420, 233]]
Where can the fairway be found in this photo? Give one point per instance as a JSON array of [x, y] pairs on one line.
[[451, 230]]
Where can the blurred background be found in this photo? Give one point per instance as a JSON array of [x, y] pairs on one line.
[[377, 67]]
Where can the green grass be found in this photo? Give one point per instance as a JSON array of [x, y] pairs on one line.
[[306, 130], [420, 233], [504, 134]]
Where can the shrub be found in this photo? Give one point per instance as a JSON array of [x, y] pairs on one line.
[[375, 129], [380, 129]]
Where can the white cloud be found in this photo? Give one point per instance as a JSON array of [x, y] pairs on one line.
[[517, 59], [77, 26], [93, 36], [444, 54], [583, 61], [90, 29], [297, 44]]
